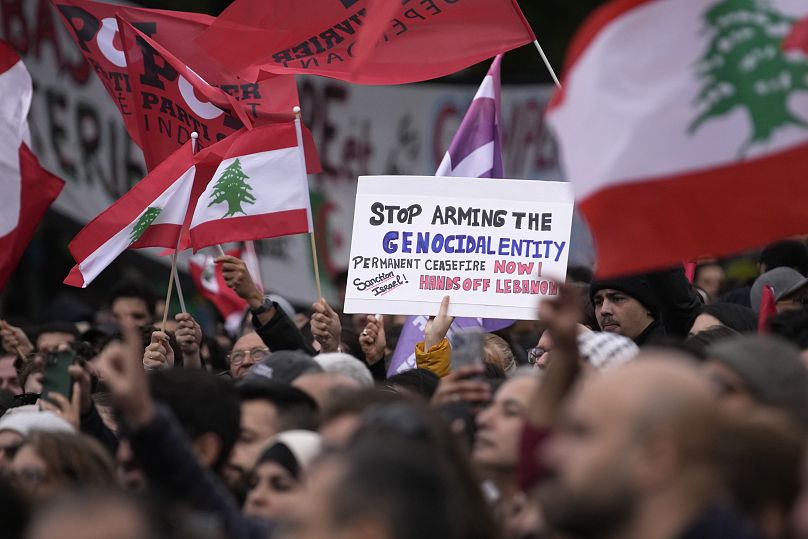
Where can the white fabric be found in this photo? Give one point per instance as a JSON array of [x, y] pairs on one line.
[[15, 101], [26, 419], [276, 180], [631, 96], [174, 205]]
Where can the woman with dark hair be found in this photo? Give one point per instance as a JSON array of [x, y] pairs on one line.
[[48, 463], [280, 472]]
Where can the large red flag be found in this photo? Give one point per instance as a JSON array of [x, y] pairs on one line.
[[26, 189], [687, 151], [416, 41], [95, 28]]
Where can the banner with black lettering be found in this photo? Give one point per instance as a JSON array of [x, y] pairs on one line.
[[495, 247]]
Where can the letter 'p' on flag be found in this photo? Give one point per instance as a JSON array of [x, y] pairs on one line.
[[697, 149]]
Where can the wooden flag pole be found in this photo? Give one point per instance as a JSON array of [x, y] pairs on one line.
[[547, 63], [312, 240], [175, 277]]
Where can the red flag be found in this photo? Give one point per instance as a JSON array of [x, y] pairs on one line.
[[798, 37], [649, 152], [210, 283], [95, 28], [768, 308], [26, 189], [416, 41]]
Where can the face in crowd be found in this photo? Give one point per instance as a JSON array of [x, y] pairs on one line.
[[619, 313], [500, 425], [247, 351], [131, 310]]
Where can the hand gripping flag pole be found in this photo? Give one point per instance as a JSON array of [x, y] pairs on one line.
[[313, 241], [175, 278]]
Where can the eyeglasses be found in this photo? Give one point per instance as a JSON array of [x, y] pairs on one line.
[[259, 353]]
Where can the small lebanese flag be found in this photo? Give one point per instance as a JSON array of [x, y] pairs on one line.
[[151, 214], [259, 190], [683, 128], [26, 189], [209, 281]]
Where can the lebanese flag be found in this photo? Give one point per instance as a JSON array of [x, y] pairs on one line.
[[26, 189], [94, 26], [259, 190], [363, 41], [697, 149], [151, 214], [210, 283]]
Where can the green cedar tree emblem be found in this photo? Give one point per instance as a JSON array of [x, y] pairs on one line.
[[745, 66], [231, 188], [144, 222]]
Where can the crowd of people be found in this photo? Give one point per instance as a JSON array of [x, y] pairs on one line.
[[642, 407]]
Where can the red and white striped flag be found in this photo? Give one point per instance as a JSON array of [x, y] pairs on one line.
[[684, 128], [209, 281], [259, 190], [26, 189], [151, 214]]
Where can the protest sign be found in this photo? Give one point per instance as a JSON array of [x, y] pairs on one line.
[[496, 247]]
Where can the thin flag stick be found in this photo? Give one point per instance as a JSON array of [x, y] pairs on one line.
[[547, 63], [313, 241], [220, 249], [175, 277], [16, 348]]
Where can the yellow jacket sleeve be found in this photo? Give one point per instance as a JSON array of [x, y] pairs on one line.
[[437, 359]]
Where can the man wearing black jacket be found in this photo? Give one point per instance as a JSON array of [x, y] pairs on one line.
[[647, 308]]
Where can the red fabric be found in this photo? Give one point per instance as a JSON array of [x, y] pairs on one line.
[[250, 227], [38, 189], [690, 271], [92, 24], [768, 308], [416, 41], [226, 301], [798, 38], [664, 221], [8, 56], [530, 471]]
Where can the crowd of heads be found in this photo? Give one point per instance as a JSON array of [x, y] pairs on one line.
[[654, 406]]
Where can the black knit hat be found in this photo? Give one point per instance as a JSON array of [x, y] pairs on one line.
[[636, 287]]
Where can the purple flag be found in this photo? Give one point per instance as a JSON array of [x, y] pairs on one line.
[[475, 152]]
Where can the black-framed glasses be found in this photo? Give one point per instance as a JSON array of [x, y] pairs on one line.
[[258, 353]]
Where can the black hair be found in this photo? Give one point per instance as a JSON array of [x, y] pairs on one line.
[[697, 344], [791, 325], [741, 319], [579, 274], [133, 289], [56, 327], [788, 254], [14, 511], [401, 484], [422, 382], [203, 403], [295, 408]]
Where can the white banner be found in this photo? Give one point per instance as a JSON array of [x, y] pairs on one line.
[[78, 134], [497, 247]]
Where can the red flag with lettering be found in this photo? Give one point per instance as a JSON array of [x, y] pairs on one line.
[[95, 28], [415, 40]]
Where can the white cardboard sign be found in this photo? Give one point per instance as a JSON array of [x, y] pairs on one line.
[[495, 246]]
